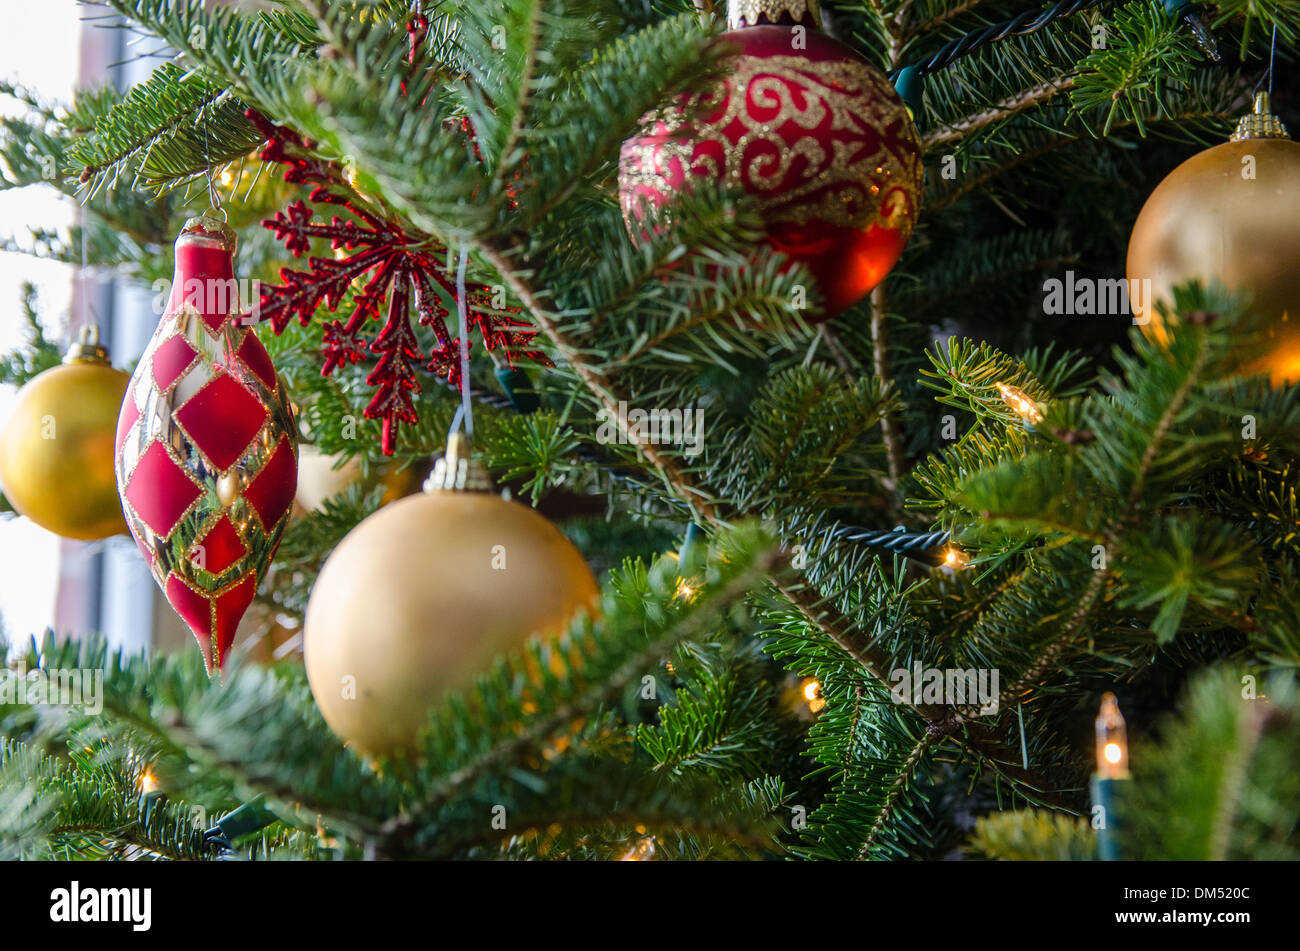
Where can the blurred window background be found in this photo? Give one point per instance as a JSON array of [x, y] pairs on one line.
[[54, 48]]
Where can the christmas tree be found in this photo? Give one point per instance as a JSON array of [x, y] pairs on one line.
[[873, 539]]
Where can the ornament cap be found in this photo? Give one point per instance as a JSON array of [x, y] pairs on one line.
[[1260, 122], [212, 228], [459, 469], [743, 13], [87, 348]]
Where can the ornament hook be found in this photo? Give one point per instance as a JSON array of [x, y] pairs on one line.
[[87, 348], [214, 196], [459, 469], [465, 414]]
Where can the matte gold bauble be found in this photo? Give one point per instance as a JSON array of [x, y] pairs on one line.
[[56, 449], [320, 477], [420, 598], [1232, 214]]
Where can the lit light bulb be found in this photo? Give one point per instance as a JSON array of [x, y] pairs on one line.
[[227, 178], [642, 851], [147, 782], [1026, 408], [684, 591], [954, 559], [1112, 740], [812, 693]]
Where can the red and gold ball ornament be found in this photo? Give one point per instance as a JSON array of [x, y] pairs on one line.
[[420, 598], [808, 128], [56, 448], [1231, 214], [207, 448]]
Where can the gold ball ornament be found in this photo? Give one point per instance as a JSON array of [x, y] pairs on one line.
[[320, 477], [56, 449], [421, 596], [1232, 214]]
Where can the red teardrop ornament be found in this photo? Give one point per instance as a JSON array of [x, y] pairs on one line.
[[207, 457]]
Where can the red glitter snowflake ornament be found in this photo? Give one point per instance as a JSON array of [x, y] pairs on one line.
[[399, 268]]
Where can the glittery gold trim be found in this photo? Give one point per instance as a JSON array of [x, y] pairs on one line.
[[742, 13], [1260, 123], [180, 377], [124, 479], [210, 228]]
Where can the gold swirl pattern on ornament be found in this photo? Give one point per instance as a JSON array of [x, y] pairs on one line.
[[843, 187], [741, 13]]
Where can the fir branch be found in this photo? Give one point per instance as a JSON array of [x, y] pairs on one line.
[[1225, 768], [931, 16], [880, 362], [601, 387], [621, 84], [1033, 835], [259, 56], [509, 153], [38, 352], [1203, 104], [695, 624], [1266, 13], [893, 795], [1171, 390], [942, 720], [166, 130], [1148, 50], [1003, 109]]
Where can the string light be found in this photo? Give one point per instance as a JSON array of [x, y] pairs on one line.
[[147, 782], [812, 693], [642, 851], [954, 558], [1109, 782], [1112, 740], [1016, 398], [684, 590]]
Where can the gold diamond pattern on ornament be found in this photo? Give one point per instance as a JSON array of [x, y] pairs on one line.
[[174, 524]]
